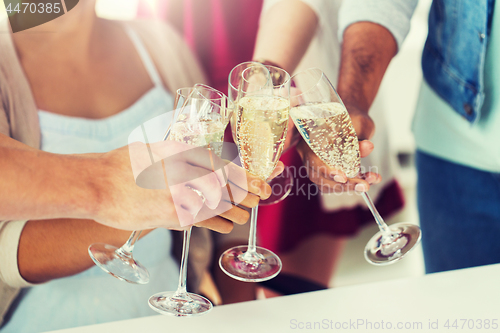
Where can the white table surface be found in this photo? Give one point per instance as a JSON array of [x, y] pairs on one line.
[[470, 296]]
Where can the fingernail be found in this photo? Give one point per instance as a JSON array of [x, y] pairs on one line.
[[211, 205], [339, 179], [360, 188]]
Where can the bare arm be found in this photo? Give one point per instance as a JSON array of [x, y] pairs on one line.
[[367, 50], [56, 248], [101, 187], [285, 31], [284, 35], [50, 249], [39, 185], [35, 179]]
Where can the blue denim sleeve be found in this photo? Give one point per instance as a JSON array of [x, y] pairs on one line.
[[395, 15]]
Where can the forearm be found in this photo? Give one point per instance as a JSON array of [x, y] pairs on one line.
[[40, 185], [367, 50], [50, 249], [285, 31]]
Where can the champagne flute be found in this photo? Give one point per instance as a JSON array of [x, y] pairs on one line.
[[259, 123], [201, 122], [324, 123], [284, 181]]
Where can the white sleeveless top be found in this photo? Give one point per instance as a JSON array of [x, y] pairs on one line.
[[93, 296]]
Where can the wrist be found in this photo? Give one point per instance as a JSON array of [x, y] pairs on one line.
[[266, 62], [361, 120], [95, 188]]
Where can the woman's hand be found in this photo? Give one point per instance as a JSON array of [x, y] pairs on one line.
[[244, 189], [330, 179]]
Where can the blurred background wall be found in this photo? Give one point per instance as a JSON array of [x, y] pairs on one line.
[[397, 96]]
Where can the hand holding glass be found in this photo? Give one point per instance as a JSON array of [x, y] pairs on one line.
[[324, 123]]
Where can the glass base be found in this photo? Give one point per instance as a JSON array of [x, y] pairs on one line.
[[171, 304], [383, 251], [244, 266], [281, 187], [119, 265]]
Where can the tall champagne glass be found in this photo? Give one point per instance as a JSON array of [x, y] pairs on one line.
[[259, 124], [201, 122], [324, 123], [282, 184]]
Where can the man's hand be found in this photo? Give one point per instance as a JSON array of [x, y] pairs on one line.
[[165, 196]]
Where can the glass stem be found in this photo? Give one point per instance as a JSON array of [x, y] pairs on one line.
[[252, 238], [181, 288], [128, 247], [384, 228]]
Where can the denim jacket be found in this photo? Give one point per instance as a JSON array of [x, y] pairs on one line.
[[455, 50]]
